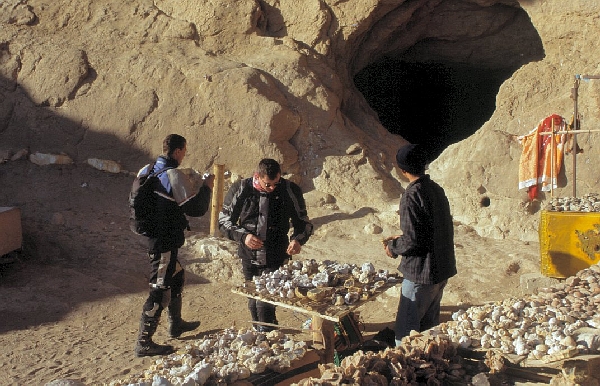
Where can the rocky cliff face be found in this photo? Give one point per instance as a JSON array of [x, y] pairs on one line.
[[329, 88]]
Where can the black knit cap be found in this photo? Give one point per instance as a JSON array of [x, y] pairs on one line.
[[412, 158]]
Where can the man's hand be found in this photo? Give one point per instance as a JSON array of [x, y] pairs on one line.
[[294, 248], [253, 242], [388, 253], [209, 181], [386, 247]]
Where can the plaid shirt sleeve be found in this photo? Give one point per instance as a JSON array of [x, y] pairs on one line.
[[414, 223]]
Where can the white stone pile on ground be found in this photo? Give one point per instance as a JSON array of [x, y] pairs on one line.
[[221, 358], [555, 323]]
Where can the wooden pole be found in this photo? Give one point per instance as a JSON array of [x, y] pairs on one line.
[[552, 161], [217, 198], [324, 335], [575, 94]]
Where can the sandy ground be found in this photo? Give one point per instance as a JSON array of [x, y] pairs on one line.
[[72, 299]]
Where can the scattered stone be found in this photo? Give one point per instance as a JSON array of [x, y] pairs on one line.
[[373, 229], [65, 382], [354, 149], [485, 379], [4, 156], [542, 326], [106, 165], [19, 155], [50, 159]]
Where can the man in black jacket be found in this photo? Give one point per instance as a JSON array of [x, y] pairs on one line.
[[176, 199], [256, 213], [426, 245]]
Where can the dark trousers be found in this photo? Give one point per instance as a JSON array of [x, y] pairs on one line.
[[419, 307], [259, 311], [167, 278]]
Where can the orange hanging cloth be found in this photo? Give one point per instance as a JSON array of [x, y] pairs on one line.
[[535, 166]]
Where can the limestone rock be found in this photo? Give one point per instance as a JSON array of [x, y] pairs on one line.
[[103, 164], [52, 75], [17, 13], [19, 154], [5, 155], [65, 382], [250, 79], [373, 229], [50, 159]]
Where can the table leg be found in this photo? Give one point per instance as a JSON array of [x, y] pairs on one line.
[[323, 334]]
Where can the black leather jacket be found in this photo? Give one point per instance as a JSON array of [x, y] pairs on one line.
[[241, 213]]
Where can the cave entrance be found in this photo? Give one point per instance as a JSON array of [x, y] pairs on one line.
[[432, 93], [435, 104]]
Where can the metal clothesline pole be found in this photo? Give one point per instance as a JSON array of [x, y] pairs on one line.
[[574, 154], [571, 132], [574, 131], [575, 96], [552, 166]]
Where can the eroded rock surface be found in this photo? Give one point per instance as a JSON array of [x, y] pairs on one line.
[[249, 79]]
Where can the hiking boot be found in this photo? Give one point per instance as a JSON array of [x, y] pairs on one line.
[[145, 346], [152, 349], [176, 328], [265, 328]]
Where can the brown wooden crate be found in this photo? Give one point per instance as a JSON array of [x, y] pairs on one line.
[[11, 237]]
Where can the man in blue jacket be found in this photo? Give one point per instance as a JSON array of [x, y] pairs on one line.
[[426, 245], [176, 199]]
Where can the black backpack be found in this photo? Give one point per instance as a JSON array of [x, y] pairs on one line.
[[142, 202]]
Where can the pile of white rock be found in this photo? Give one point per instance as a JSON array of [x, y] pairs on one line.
[[221, 358], [588, 203], [308, 274], [556, 323]]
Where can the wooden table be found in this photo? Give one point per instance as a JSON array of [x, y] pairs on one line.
[[324, 314]]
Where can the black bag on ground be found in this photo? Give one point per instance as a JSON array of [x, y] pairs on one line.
[[347, 334], [348, 337], [142, 203], [386, 336]]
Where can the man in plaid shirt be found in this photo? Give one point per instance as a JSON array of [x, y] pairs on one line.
[[426, 245]]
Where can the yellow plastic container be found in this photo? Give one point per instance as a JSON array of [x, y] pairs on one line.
[[569, 242]]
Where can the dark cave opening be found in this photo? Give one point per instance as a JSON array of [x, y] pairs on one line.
[[432, 103], [434, 78]]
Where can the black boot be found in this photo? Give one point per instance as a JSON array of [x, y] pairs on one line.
[[253, 313], [178, 326], [145, 346], [266, 314]]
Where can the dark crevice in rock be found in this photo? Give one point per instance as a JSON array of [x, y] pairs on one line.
[[435, 104], [438, 91]]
